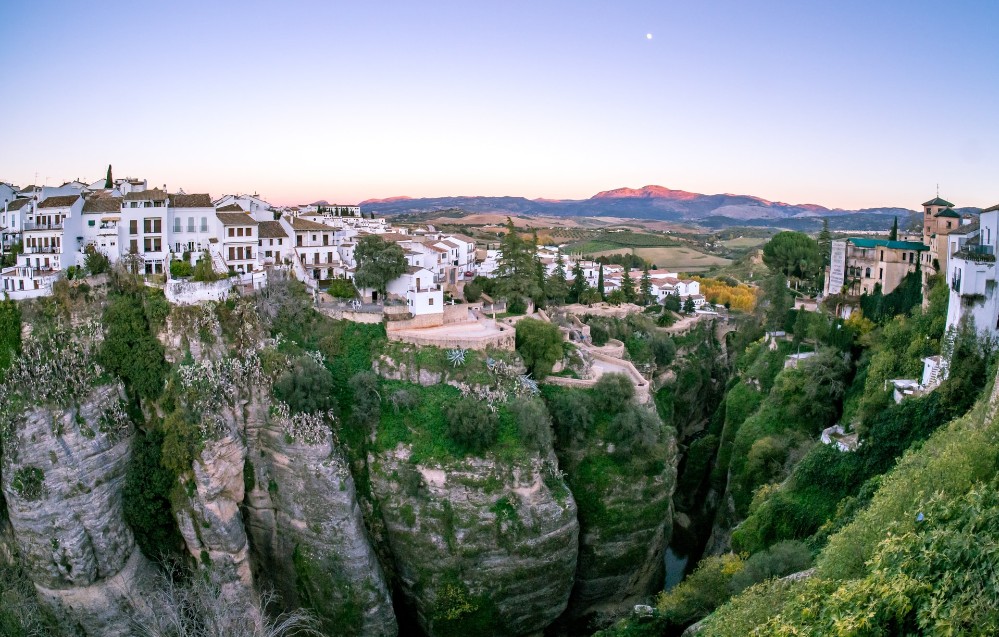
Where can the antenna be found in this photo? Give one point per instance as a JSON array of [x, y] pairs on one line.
[[938, 191]]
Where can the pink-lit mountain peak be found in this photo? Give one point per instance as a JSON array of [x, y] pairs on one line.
[[647, 192]]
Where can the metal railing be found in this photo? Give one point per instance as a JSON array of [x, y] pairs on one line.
[[31, 225]]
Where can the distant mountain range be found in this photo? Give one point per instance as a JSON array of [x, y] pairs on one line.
[[661, 204]]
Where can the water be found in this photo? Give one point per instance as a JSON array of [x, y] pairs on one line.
[[676, 568]]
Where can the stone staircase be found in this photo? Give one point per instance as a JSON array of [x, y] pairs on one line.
[[218, 260]]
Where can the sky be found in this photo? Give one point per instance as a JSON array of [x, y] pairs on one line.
[[848, 104]]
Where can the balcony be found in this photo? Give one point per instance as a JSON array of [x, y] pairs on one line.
[[30, 225], [976, 254], [42, 250]]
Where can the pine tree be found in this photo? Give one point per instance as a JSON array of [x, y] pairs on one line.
[[645, 287], [558, 286], [825, 242], [578, 282], [600, 283], [109, 182], [628, 286], [893, 235]]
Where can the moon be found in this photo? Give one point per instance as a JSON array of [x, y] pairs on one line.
[[648, 36]]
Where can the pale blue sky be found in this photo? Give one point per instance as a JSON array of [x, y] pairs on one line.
[[849, 104]]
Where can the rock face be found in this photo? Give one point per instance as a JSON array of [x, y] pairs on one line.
[[306, 527], [480, 547], [62, 477]]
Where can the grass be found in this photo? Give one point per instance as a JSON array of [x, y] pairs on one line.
[[744, 242], [677, 258], [425, 427]]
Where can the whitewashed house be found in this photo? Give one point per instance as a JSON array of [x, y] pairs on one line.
[[238, 241], [101, 226], [192, 223], [143, 228], [418, 287]]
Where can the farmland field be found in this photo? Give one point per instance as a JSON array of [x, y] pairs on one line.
[[744, 242], [679, 258]]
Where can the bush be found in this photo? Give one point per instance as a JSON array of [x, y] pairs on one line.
[[307, 386], [367, 405], [130, 350], [96, 262], [342, 289], [704, 590], [10, 333], [534, 424], [572, 411], [540, 345], [779, 560], [516, 305], [146, 499], [612, 392], [181, 269], [472, 292], [599, 334], [635, 430], [203, 270], [471, 424]]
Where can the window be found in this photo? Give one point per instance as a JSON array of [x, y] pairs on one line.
[[232, 232], [152, 225], [881, 273], [133, 204], [204, 224], [868, 273], [91, 223], [249, 252], [249, 232], [279, 241], [147, 204], [152, 244], [239, 232], [232, 253], [430, 301], [133, 245], [176, 224], [133, 226], [157, 204], [190, 224], [326, 239]]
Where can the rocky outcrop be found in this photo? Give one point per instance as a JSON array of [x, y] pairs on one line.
[[62, 477], [306, 527], [481, 546]]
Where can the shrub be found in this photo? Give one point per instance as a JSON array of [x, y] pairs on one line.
[[203, 270], [29, 483], [539, 344], [572, 411], [471, 424], [599, 334], [783, 558], [146, 498], [342, 289], [96, 262], [367, 405], [612, 392], [10, 333], [307, 386], [181, 269], [129, 348], [534, 424], [516, 305], [472, 292], [636, 429], [703, 591]]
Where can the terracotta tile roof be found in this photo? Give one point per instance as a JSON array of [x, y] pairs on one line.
[[298, 223], [235, 219], [201, 200], [102, 204], [463, 237], [992, 209], [17, 204], [271, 230], [233, 207], [154, 194], [59, 202]]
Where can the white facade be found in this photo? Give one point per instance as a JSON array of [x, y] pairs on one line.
[[972, 275]]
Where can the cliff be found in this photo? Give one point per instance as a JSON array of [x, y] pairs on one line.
[[63, 471]]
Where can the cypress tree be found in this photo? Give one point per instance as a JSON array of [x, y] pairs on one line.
[[578, 282], [893, 235], [600, 283], [108, 182], [645, 287], [628, 285]]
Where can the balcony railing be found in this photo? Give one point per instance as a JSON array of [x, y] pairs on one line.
[[977, 254], [42, 250], [31, 225]]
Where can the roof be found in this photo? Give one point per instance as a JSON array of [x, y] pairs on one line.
[[202, 200], [102, 204], [154, 194], [413, 269], [450, 243], [233, 207], [937, 201], [298, 223], [992, 209], [17, 204], [948, 213], [271, 230], [885, 243], [235, 219], [59, 202], [463, 237]]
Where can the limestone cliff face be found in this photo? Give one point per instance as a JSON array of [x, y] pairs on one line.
[[62, 475], [480, 547], [306, 527]]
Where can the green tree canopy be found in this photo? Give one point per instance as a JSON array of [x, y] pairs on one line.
[[378, 263], [794, 254], [539, 344]]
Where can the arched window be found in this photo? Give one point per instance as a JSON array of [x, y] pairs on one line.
[[868, 273]]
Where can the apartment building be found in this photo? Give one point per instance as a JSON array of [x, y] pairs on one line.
[[972, 276], [143, 228]]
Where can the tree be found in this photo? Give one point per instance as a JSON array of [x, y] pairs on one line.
[[825, 242], [893, 234], [10, 333], [558, 286], [129, 348], [539, 344], [203, 270], [578, 283], [645, 287], [108, 182], [600, 283], [471, 424], [628, 286], [517, 271], [671, 303], [793, 254], [305, 386], [775, 301], [688, 305], [378, 263]]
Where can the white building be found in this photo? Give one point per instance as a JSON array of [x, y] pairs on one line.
[[192, 223], [143, 228], [422, 294], [238, 243], [972, 275]]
